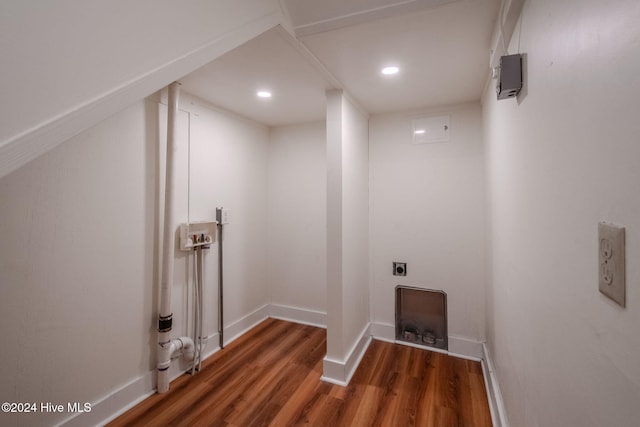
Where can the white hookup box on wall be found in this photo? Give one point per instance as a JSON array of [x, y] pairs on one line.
[[196, 234], [222, 216], [430, 130]]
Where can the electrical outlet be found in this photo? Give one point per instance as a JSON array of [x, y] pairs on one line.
[[611, 259], [399, 268]]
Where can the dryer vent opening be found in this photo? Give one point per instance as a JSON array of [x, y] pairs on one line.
[[421, 317]]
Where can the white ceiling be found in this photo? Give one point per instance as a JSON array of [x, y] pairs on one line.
[[313, 16], [269, 62], [442, 51]]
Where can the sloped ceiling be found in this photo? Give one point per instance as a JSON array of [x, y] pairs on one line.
[[441, 47], [270, 62], [443, 55], [313, 16]]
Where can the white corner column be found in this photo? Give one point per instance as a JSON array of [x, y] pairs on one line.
[[347, 238]]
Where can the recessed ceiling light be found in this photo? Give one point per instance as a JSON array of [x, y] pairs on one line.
[[264, 94], [390, 70], [419, 131]]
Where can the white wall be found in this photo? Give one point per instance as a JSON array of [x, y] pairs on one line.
[[296, 201], [347, 234], [68, 65], [427, 210], [229, 164], [79, 254], [560, 159], [77, 266]]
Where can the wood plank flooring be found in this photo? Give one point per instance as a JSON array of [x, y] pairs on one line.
[[271, 377]]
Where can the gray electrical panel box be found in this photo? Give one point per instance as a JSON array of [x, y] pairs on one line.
[[510, 77]]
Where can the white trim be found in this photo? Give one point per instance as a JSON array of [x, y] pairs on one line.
[[330, 79], [340, 371], [496, 404], [31, 143], [422, 347], [115, 404], [464, 356], [357, 352], [363, 16], [213, 338], [298, 315], [383, 332], [333, 371], [463, 348], [287, 23], [495, 422], [241, 326], [126, 397]]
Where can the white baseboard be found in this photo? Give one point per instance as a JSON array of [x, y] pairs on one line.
[[458, 346], [383, 332], [340, 371], [241, 326], [212, 346], [465, 348], [496, 404], [124, 398], [334, 371], [298, 315], [116, 403]]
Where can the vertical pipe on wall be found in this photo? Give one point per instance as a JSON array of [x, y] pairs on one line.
[[165, 316], [200, 307], [220, 287], [194, 304]]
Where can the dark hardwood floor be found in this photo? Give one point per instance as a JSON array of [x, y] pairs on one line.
[[271, 377]]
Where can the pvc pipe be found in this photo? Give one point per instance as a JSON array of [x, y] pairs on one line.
[[194, 304], [164, 314], [168, 351], [197, 308], [200, 306], [186, 345], [220, 289], [168, 237]]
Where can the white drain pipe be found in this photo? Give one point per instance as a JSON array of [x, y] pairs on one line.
[[168, 352], [166, 347]]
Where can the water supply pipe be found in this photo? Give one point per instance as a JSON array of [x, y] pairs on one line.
[[198, 317], [195, 305], [200, 309], [165, 316], [220, 282]]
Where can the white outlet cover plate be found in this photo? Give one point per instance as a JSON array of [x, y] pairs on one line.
[[611, 262]]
